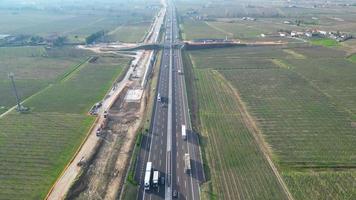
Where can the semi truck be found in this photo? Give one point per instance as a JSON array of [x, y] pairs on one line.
[[148, 175], [155, 178], [187, 166], [184, 132]]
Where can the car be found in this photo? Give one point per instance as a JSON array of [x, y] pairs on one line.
[[162, 180], [175, 194]]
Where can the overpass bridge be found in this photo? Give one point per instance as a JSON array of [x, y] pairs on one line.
[[152, 46]]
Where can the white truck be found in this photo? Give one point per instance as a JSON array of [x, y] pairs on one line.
[[184, 132], [187, 167], [148, 175], [155, 178], [159, 97]]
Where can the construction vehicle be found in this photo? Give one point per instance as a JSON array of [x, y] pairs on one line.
[[147, 179]]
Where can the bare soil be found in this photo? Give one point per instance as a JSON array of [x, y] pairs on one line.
[[103, 175]]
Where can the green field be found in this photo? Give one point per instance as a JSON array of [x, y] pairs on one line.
[[325, 42], [34, 68], [36, 146], [129, 33], [238, 168], [220, 19], [352, 58], [78, 23], [303, 102], [198, 29]]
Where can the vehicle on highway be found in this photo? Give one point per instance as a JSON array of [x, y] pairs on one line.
[[147, 179], [175, 194], [187, 166], [105, 114], [155, 178], [162, 180], [159, 97], [184, 132], [99, 132]]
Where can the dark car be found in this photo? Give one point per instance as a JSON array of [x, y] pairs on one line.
[[162, 180], [175, 194]]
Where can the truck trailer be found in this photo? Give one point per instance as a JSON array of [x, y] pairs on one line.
[[155, 178], [184, 132], [148, 175], [187, 167]]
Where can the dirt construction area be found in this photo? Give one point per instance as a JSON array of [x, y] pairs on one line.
[[103, 174]]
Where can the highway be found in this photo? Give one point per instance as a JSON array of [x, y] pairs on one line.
[[164, 145]]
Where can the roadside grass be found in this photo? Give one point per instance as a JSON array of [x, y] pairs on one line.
[[352, 58], [326, 42], [36, 146], [130, 191]]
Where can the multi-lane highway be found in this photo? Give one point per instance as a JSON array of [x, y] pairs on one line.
[[164, 145]]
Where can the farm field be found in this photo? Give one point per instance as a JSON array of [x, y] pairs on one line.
[[76, 24], [198, 29], [302, 101], [247, 31], [37, 145], [34, 68], [325, 42], [238, 168], [129, 33], [247, 20]]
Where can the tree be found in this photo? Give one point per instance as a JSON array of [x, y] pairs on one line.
[[59, 41], [94, 37]]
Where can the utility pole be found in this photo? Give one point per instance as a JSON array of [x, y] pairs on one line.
[[19, 108]]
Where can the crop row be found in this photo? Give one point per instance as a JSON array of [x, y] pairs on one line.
[[33, 151], [298, 121], [238, 168], [322, 185], [35, 147]]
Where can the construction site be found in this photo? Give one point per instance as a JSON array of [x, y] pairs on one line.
[[98, 169]]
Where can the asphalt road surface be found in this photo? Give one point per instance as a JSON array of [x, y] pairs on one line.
[[164, 145]]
